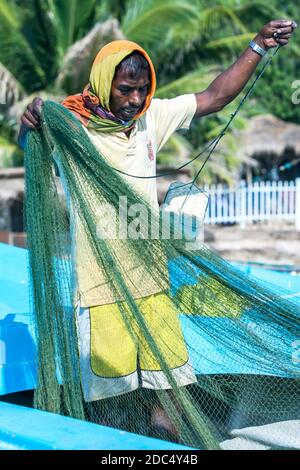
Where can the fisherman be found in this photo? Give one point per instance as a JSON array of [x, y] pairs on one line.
[[129, 127]]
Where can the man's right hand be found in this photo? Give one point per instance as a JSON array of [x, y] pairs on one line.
[[32, 115]]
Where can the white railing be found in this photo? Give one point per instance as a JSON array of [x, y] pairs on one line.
[[276, 200]]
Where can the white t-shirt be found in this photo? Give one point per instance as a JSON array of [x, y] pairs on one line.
[[135, 155]]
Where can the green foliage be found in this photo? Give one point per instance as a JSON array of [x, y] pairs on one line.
[[69, 20], [110, 8], [275, 93], [199, 79], [10, 154], [15, 52], [189, 41], [148, 21], [38, 30], [35, 36]]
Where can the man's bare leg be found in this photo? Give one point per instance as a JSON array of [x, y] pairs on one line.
[[162, 421]]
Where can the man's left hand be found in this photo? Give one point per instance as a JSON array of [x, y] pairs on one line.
[[277, 32]]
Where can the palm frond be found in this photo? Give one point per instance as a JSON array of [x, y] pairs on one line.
[[190, 83], [177, 151], [230, 41], [110, 9], [209, 22], [211, 18], [75, 69], [10, 154], [37, 28], [8, 14], [68, 17], [148, 21], [11, 91], [15, 51], [258, 9]]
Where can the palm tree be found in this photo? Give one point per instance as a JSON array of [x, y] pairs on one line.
[[50, 44], [39, 46]]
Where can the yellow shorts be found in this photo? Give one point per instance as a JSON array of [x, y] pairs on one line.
[[115, 359]]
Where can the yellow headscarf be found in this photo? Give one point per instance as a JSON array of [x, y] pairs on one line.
[[96, 95]]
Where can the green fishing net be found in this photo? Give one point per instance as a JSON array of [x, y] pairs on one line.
[[221, 343]]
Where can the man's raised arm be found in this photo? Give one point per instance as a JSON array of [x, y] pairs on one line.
[[232, 81]]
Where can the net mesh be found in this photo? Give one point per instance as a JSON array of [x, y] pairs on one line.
[[210, 349]]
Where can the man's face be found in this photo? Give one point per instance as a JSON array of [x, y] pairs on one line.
[[128, 94]]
